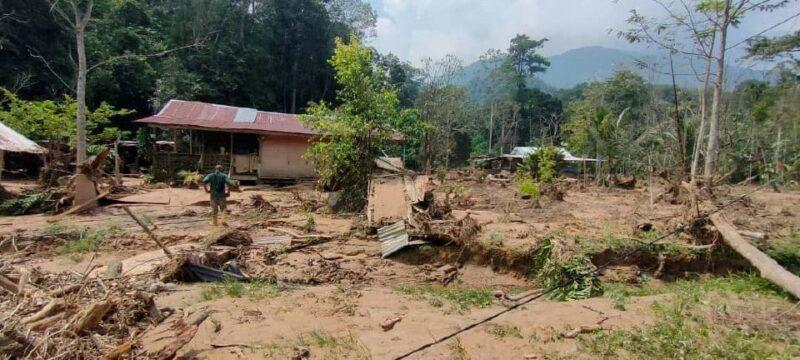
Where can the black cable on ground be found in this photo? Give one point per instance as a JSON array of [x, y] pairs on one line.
[[680, 228]]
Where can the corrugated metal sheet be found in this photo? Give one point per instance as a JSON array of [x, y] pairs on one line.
[[13, 141], [393, 238], [200, 115]]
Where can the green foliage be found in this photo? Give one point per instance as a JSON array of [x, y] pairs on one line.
[[56, 120], [528, 187], [544, 164], [55, 228], [460, 299], [32, 202], [88, 239], [786, 251], [144, 144], [358, 128], [572, 279], [310, 224]]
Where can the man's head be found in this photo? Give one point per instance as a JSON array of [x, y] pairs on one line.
[[218, 168]]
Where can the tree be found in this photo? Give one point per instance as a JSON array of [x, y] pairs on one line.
[[706, 23], [54, 121], [785, 46], [357, 16], [445, 107], [354, 132], [523, 60], [76, 14]]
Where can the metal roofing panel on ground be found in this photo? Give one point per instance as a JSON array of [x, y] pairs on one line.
[[13, 141], [393, 238], [195, 114]]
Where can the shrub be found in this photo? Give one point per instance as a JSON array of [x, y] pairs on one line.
[[543, 165], [528, 187]]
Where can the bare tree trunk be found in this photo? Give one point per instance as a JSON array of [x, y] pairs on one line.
[[491, 126], [81, 92], [702, 129], [678, 128], [712, 151]]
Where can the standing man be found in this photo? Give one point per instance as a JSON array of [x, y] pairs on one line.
[[220, 189]]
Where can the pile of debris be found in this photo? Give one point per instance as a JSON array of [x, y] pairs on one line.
[[406, 202], [80, 315]]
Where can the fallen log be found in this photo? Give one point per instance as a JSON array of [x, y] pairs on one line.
[[8, 285], [298, 236], [51, 307], [46, 322], [769, 268], [89, 317]]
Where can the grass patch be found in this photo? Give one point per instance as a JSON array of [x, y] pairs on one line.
[[786, 251], [688, 324], [255, 290], [56, 228], [87, 239], [459, 299], [738, 284], [503, 331]]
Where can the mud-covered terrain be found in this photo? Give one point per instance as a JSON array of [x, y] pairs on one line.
[[321, 290]]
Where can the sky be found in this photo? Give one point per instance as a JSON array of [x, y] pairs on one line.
[[418, 29]]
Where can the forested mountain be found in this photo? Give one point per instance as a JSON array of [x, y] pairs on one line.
[[596, 63]]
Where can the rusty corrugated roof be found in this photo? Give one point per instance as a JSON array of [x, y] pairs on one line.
[[205, 116], [13, 141]]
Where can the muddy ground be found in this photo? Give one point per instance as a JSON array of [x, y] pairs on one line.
[[327, 301]]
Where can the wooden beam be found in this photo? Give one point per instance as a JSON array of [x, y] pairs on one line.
[[148, 231]]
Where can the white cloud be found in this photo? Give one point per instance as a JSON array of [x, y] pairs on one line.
[[416, 29]]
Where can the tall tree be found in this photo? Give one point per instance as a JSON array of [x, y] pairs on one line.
[[76, 15], [357, 129]]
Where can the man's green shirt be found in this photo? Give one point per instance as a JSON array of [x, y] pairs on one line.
[[217, 181]]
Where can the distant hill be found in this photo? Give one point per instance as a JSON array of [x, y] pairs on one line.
[[596, 63]]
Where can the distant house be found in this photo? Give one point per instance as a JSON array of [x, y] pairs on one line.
[[248, 143], [14, 142]]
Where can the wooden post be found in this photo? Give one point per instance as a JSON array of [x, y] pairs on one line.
[[147, 230], [230, 166], [117, 160]]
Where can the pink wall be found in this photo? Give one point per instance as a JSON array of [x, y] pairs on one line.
[[282, 157]]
